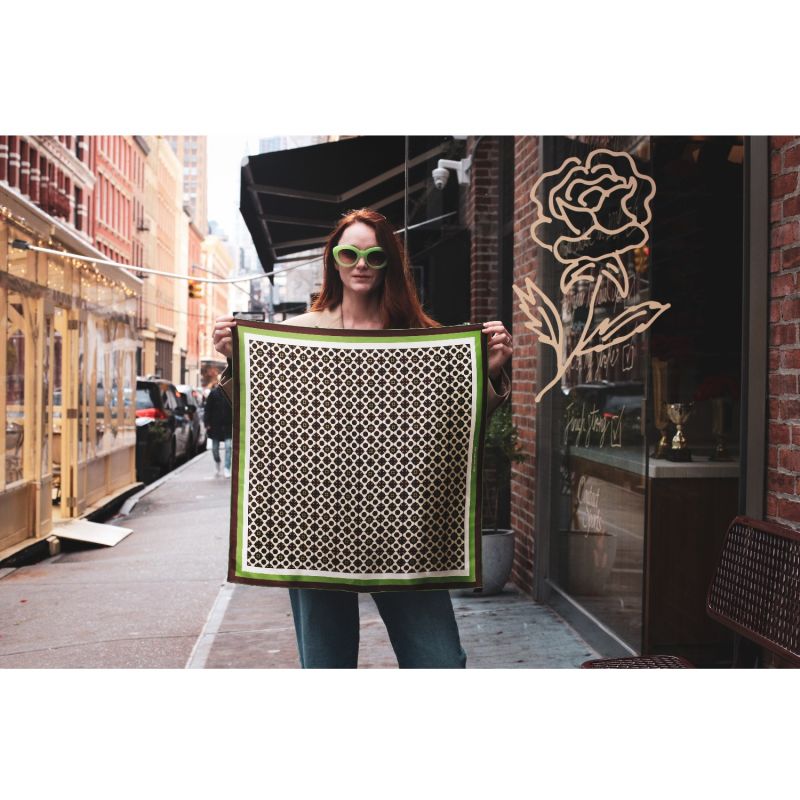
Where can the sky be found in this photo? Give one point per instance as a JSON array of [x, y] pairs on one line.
[[225, 154]]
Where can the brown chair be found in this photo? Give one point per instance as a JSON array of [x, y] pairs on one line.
[[755, 592]]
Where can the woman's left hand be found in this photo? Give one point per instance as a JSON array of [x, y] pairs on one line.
[[499, 346]]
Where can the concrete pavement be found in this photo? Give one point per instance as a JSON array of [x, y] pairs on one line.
[[159, 599]]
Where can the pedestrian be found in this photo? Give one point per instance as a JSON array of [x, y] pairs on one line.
[[218, 419], [367, 284]]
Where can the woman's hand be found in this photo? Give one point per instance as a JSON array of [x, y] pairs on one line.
[[499, 346], [223, 335]]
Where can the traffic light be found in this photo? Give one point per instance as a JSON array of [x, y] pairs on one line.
[[196, 290]]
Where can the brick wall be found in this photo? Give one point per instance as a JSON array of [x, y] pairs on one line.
[[783, 438], [523, 479], [483, 215]]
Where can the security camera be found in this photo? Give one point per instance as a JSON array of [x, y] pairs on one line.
[[440, 176], [442, 171]]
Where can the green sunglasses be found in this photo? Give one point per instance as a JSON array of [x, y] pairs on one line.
[[347, 255]]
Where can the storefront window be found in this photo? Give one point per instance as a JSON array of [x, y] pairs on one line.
[[102, 421], [83, 383], [128, 422], [47, 396], [16, 425], [595, 271], [121, 402], [59, 401], [114, 400], [640, 241]]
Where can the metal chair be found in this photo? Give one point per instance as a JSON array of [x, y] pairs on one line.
[[755, 592]]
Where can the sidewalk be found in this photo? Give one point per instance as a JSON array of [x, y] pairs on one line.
[[160, 599]]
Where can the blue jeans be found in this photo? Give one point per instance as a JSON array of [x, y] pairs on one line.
[[421, 625], [228, 451]]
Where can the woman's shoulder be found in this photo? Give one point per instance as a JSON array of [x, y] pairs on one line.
[[314, 319]]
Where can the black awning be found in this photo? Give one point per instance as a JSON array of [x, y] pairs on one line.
[[291, 199]]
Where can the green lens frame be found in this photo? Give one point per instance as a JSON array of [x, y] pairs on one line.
[[359, 255]]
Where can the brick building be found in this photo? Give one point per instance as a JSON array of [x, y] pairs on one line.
[[617, 537], [119, 172]]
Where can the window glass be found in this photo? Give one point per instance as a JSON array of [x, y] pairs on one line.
[[59, 408], [114, 400], [144, 399], [16, 427], [128, 421], [102, 389], [598, 456], [47, 395]]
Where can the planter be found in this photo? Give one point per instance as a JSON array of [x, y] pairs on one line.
[[497, 559], [590, 559]]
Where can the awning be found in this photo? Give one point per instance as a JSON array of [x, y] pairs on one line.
[[291, 199]]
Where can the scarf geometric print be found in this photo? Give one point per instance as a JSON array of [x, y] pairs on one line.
[[357, 457]]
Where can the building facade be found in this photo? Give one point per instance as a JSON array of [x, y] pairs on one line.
[[196, 306], [119, 173], [69, 391], [217, 261], [162, 239], [615, 529], [192, 152]]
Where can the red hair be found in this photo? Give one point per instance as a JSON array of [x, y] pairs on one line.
[[398, 301]]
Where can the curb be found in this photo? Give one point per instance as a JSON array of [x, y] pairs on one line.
[[131, 502]]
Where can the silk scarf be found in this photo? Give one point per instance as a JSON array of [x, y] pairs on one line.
[[357, 457]]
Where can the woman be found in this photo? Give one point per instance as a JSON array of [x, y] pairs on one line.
[[218, 419], [367, 284]]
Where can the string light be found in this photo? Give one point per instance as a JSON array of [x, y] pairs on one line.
[[87, 265]]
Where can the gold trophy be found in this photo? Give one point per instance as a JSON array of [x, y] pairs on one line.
[[679, 413]]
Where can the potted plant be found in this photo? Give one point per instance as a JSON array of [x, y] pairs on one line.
[[501, 449]]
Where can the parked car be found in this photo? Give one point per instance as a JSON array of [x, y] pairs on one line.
[[163, 428], [195, 403]]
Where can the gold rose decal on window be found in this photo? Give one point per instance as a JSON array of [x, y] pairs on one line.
[[589, 214]]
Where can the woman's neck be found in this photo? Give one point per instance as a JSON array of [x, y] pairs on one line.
[[359, 311]]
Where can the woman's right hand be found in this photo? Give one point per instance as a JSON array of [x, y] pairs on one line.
[[223, 335]]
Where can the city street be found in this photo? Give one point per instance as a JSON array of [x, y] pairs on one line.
[[159, 599]]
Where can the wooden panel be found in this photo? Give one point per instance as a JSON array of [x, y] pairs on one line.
[[687, 520], [108, 473], [95, 481], [45, 500], [121, 467], [16, 523]]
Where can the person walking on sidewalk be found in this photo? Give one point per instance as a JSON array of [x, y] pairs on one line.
[[218, 418], [367, 284]]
